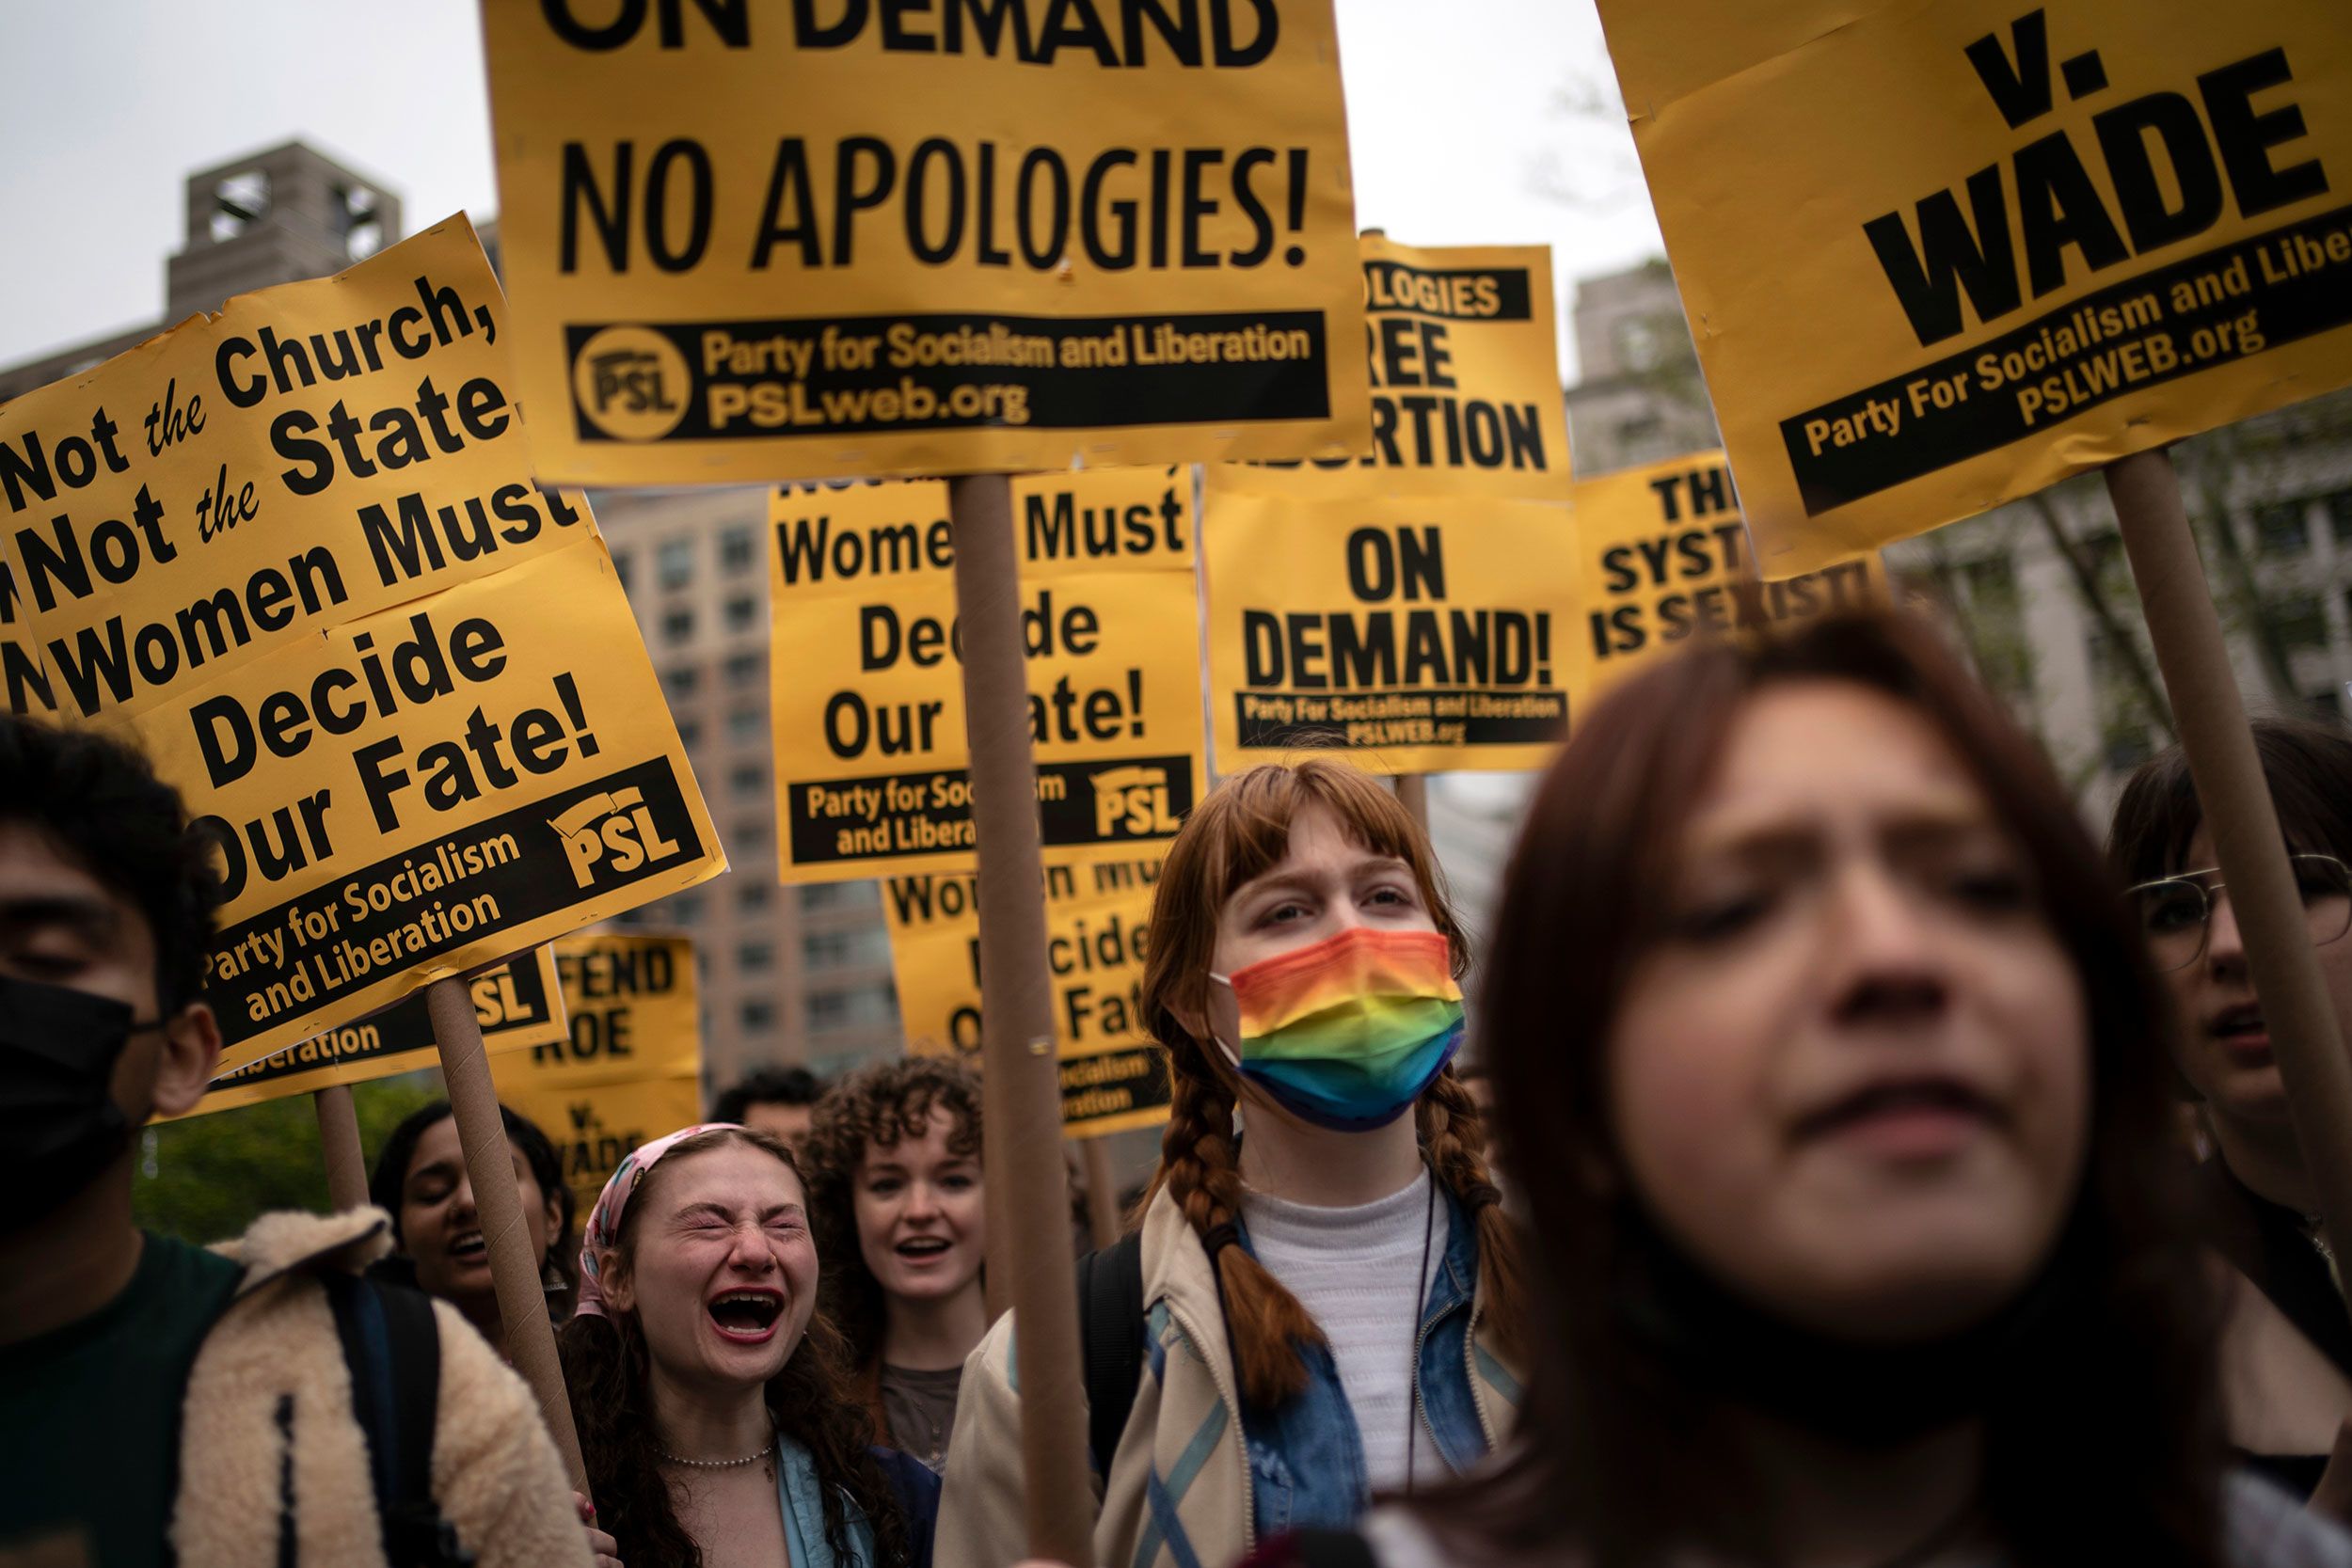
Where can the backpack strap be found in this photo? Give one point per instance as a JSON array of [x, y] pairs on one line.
[[393, 1348], [1110, 1342]]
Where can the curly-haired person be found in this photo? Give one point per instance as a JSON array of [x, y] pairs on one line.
[[894, 1184]]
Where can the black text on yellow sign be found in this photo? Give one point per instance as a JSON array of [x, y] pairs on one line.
[[515, 1004], [628, 1067], [872, 755], [1465, 367], [1097, 928], [311, 454], [1414, 635], [1666, 559], [2011, 243], [418, 792], [25, 684], [1008, 234]]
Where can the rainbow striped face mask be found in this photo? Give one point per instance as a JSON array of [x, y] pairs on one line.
[[1346, 1033]]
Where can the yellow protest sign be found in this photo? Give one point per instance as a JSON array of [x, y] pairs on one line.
[[26, 685], [748, 243], [1938, 255], [629, 1067], [1096, 920], [415, 793], [868, 690], [1412, 634], [1666, 559], [1465, 364], [312, 455], [517, 1005]]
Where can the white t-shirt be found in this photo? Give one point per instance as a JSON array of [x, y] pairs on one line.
[[1361, 1274]]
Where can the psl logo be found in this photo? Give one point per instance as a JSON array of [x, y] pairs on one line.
[[619, 825], [632, 380], [1131, 803], [631, 383]]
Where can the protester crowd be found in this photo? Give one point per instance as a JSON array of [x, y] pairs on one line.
[[1836, 1078]]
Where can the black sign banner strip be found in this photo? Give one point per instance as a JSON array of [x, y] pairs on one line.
[[1169, 369], [509, 869], [2261, 294]]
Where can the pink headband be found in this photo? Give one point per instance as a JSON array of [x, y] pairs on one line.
[[603, 1230]]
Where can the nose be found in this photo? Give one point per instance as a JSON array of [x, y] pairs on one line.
[[1889, 961], [922, 1201], [2225, 946], [461, 1201], [751, 1252]]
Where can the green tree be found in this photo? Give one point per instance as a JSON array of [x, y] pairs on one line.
[[205, 1179]]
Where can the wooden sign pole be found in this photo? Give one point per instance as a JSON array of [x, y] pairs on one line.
[[1412, 791], [1020, 1084], [339, 1144], [2220, 746], [1102, 1192], [490, 1171]]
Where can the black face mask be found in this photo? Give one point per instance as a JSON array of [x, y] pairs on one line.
[[59, 1127]]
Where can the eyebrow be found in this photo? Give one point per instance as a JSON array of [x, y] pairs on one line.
[[720, 1211], [59, 909], [1376, 866], [1925, 829]]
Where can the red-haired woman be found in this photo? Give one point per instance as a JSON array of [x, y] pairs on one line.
[[1829, 1065], [1330, 1290]]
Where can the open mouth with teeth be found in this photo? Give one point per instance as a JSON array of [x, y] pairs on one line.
[[467, 1246], [921, 1249], [747, 1317]]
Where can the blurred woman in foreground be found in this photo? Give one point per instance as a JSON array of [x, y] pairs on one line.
[[1820, 1040]]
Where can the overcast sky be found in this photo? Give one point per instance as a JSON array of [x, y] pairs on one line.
[[1473, 121]]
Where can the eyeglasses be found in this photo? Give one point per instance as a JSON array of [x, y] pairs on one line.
[[2175, 912]]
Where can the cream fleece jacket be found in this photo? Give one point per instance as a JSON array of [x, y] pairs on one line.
[[273, 1467]]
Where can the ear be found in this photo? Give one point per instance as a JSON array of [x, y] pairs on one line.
[[612, 1281], [191, 1050], [554, 1215]]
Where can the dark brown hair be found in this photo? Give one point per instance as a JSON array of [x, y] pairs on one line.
[[605, 1368], [1241, 833], [876, 1107], [2308, 766], [2102, 1435]]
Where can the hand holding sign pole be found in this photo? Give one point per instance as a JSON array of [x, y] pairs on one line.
[[1021, 1092], [2246, 841]]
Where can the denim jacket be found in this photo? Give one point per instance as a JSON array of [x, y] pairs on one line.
[[1184, 1485], [1307, 1459]]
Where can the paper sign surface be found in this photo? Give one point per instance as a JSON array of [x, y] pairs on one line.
[[515, 1004], [1938, 255], [871, 757], [628, 1067], [1409, 634], [755, 241], [1097, 930], [1666, 559]]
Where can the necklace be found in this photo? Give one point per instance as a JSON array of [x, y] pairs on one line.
[[711, 1463]]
